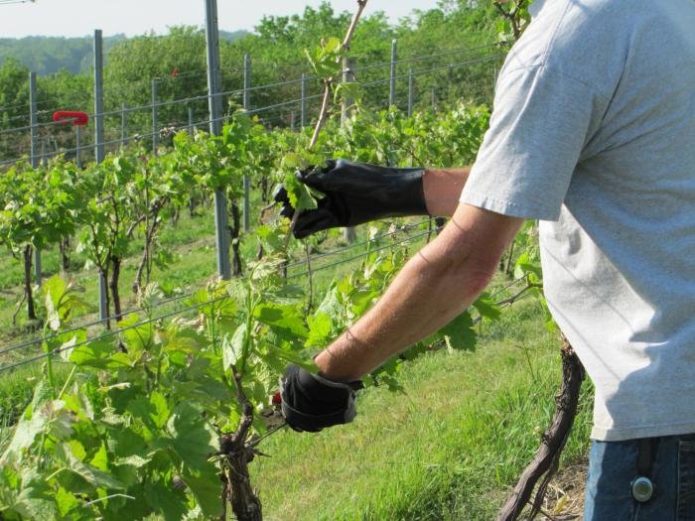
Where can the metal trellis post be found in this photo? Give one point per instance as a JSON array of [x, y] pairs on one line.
[[34, 120], [99, 151], [99, 142], [155, 123], [33, 114], [215, 105], [302, 103], [247, 106], [78, 146], [348, 105], [392, 82], [411, 92]]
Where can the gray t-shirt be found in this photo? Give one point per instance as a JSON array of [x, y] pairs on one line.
[[593, 133]]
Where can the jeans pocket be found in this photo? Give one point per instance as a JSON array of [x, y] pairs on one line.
[[686, 479]]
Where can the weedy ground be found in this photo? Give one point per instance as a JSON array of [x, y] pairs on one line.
[[449, 448]]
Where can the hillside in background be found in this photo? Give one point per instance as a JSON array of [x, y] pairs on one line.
[[50, 54]]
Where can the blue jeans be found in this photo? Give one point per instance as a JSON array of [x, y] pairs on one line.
[[613, 467]]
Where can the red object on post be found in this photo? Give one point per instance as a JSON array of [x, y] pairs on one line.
[[73, 117]]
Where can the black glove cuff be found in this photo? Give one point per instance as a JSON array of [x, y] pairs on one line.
[[411, 193], [386, 191], [311, 402], [300, 421]]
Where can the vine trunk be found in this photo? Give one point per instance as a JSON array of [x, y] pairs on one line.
[[64, 246], [245, 504], [113, 285], [31, 309], [547, 458], [235, 232]]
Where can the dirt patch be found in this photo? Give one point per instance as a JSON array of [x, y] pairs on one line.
[[564, 499]]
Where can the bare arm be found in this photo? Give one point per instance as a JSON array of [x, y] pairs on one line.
[[442, 189], [434, 287]]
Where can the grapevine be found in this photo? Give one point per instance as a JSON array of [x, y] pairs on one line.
[[164, 414]]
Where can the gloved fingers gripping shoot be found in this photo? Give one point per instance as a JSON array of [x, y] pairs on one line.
[[355, 193], [311, 402]]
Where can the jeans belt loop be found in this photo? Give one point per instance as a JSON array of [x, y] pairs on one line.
[[642, 485]]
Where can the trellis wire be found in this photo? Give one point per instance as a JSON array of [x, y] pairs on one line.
[[114, 332], [260, 110], [148, 107], [177, 298]]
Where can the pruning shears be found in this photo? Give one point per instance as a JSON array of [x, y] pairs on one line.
[[272, 418]]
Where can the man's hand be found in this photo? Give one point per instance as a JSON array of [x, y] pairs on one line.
[[311, 403], [356, 193]]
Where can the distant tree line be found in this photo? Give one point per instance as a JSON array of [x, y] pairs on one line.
[[427, 42]]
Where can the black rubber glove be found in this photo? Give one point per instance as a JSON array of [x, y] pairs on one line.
[[356, 193], [311, 403]]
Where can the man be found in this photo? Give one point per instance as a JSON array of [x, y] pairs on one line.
[[593, 134]]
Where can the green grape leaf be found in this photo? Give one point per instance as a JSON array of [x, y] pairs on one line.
[[54, 289], [77, 449], [164, 500], [160, 409], [526, 266], [299, 194], [325, 59], [285, 320], [320, 330], [34, 500], [330, 305], [272, 238], [66, 502], [362, 300], [26, 432], [347, 91], [459, 333], [92, 475], [99, 354], [190, 437], [487, 307], [205, 487], [331, 45], [126, 442], [293, 161], [233, 348]]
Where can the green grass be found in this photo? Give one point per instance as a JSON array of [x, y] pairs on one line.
[[16, 389], [194, 262], [449, 449], [446, 450], [191, 241]]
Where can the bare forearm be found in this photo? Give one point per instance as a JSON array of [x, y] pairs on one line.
[[442, 189], [435, 286], [422, 299]]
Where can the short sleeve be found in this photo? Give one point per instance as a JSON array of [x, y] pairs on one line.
[[538, 128]]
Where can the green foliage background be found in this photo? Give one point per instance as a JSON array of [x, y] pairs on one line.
[[177, 62]]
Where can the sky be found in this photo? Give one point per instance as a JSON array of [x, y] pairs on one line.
[[132, 17]]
